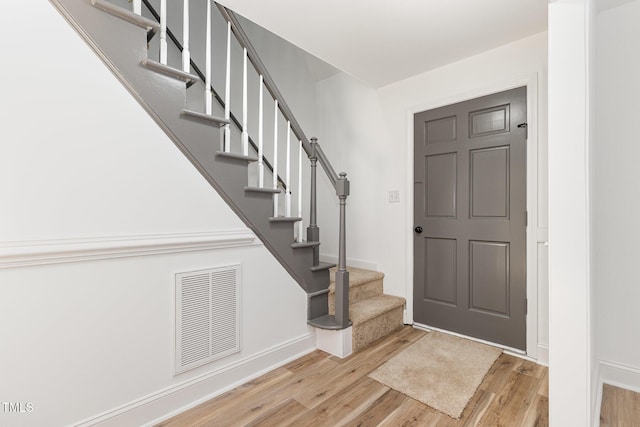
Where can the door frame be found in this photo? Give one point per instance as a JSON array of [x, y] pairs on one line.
[[534, 234]]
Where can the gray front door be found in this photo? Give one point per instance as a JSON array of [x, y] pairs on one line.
[[470, 218]]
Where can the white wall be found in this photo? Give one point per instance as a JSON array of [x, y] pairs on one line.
[[617, 201], [570, 321], [368, 132], [99, 211]]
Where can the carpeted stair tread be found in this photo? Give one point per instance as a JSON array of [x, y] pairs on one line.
[[357, 277], [373, 313], [373, 307]]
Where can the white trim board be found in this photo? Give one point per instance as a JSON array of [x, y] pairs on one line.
[[533, 234], [543, 354], [166, 403], [596, 400], [615, 374], [351, 262], [619, 375], [57, 251]]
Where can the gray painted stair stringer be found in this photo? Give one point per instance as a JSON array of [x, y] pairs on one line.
[[122, 47]]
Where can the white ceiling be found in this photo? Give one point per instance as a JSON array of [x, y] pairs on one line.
[[381, 42]]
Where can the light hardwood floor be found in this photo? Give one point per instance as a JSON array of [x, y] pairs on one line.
[[620, 407], [322, 390]]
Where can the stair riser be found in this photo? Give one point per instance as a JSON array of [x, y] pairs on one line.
[[316, 305], [371, 330], [358, 293]]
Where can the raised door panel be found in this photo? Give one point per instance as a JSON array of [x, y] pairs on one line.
[[440, 273], [489, 175], [489, 282], [440, 185], [489, 121], [440, 130]]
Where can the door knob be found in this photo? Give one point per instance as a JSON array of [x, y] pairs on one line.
[[418, 229]]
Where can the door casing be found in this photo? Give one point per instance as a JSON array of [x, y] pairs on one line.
[[533, 233]]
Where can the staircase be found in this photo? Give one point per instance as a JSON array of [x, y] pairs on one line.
[[200, 122]]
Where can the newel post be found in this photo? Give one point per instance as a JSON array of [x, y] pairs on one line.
[[342, 275], [313, 232]]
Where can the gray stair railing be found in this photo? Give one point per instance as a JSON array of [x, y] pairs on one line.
[[315, 154]]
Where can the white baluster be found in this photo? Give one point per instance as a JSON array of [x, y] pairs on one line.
[[300, 224], [186, 53], [163, 32], [260, 136], [245, 133], [207, 74], [287, 179], [227, 94], [275, 158], [137, 7]]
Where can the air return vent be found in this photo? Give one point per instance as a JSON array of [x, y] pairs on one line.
[[207, 316]]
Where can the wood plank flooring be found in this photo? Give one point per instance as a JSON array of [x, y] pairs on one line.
[[322, 390], [620, 407]]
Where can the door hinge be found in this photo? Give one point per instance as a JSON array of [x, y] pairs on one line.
[[526, 306], [526, 218]]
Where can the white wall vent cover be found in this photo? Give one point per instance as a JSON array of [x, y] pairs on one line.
[[207, 316]]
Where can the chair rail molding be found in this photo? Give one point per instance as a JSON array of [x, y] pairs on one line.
[[32, 253]]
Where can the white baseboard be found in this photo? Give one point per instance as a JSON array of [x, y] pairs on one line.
[[615, 374], [620, 375], [351, 262], [178, 398], [543, 355], [596, 399]]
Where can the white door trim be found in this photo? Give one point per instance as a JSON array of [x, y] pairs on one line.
[[534, 234]]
